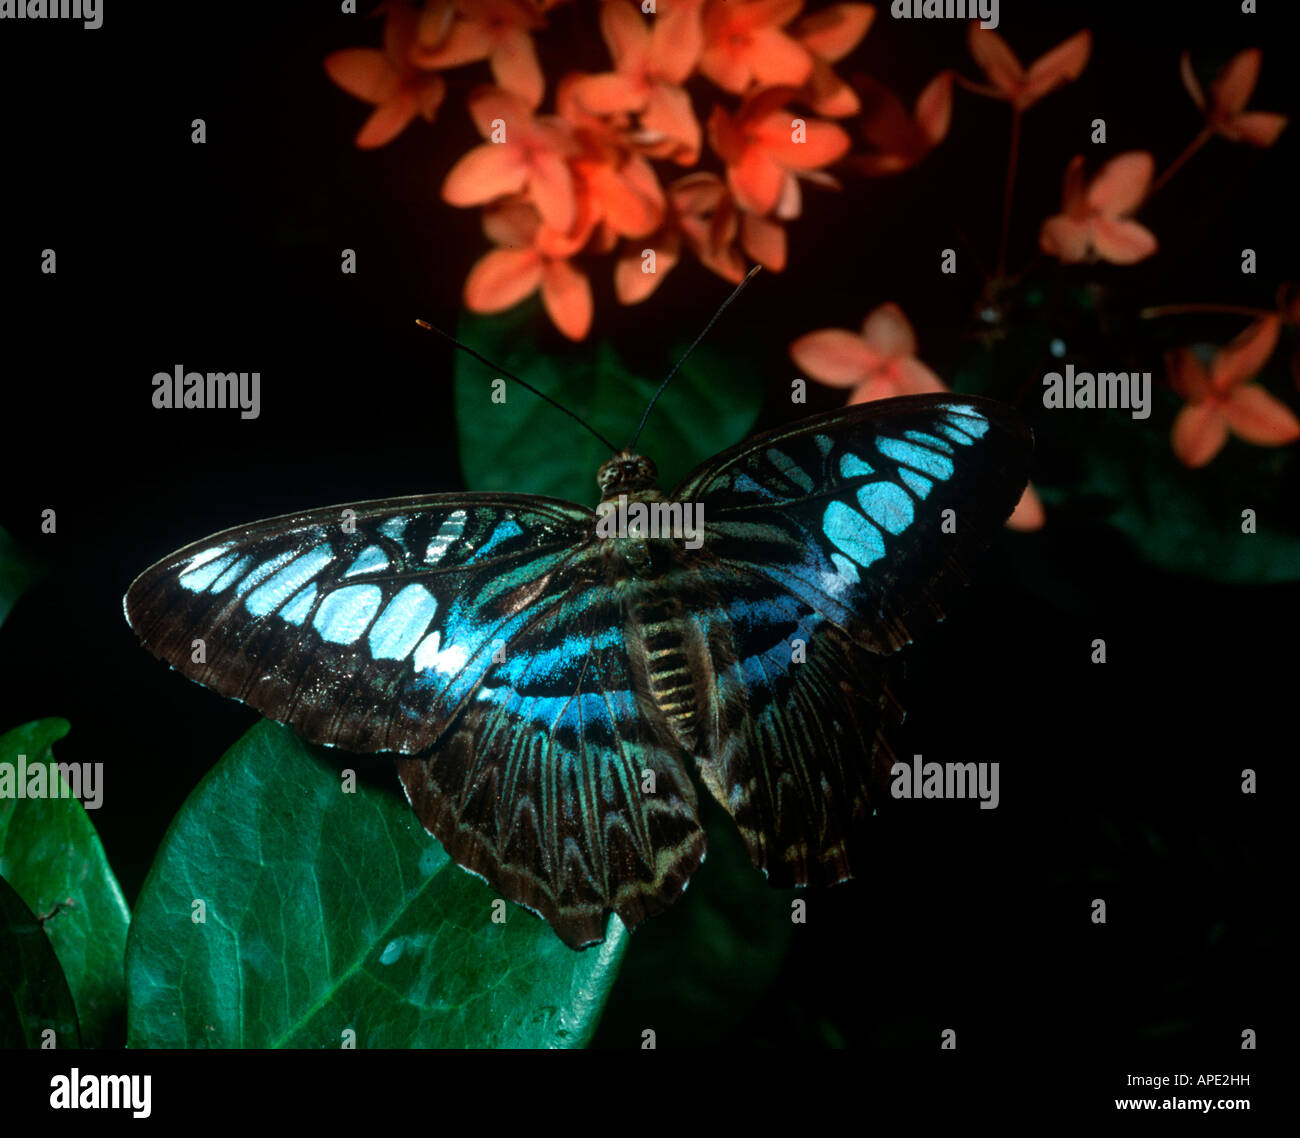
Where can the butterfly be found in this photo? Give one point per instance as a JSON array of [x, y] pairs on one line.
[[549, 683]]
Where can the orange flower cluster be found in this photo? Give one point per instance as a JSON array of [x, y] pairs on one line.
[[584, 178]]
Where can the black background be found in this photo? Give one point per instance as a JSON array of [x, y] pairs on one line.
[[1118, 781]]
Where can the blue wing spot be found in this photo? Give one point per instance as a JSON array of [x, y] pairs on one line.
[[824, 444], [394, 527], [928, 441], [972, 422], [920, 486], [504, 532], [917, 457], [345, 613], [887, 504], [851, 466], [261, 572], [447, 533], [744, 484], [791, 469], [959, 437], [369, 560], [231, 575], [295, 612], [204, 570], [847, 529], [402, 624], [265, 599]]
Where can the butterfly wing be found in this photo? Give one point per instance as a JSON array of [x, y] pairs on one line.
[[554, 783], [364, 626], [475, 622], [832, 539]]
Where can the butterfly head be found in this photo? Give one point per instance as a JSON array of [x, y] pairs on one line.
[[626, 472]]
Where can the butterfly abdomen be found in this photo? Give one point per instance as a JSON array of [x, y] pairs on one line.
[[659, 642]]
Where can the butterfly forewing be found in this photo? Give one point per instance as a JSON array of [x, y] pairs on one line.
[[363, 626], [869, 514]]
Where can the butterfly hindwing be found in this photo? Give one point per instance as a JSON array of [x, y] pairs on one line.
[[556, 786], [363, 626]]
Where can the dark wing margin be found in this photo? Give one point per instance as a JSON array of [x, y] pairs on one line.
[[365, 626], [553, 784], [869, 514]]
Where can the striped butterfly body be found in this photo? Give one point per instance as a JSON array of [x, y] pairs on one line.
[[551, 680]]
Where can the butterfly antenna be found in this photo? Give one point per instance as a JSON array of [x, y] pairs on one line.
[[677, 366], [522, 383]]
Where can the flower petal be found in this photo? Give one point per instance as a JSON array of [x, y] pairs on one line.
[[1066, 238], [676, 39], [670, 113], [467, 42], [626, 35], [363, 72], [387, 121], [1119, 186], [1231, 89], [1245, 356], [1065, 62], [914, 378], [777, 59], [486, 104], [609, 93], [488, 171], [834, 356], [1190, 81], [1187, 375], [1260, 418], [755, 181], [501, 279], [823, 142], [515, 66], [835, 31], [995, 59], [1028, 514], [1198, 434], [512, 224], [764, 241], [566, 295], [1122, 242], [886, 331], [934, 108], [828, 94], [1259, 128], [632, 284], [550, 185]]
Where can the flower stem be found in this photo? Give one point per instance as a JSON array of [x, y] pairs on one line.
[[1177, 164], [1187, 309], [1012, 156]]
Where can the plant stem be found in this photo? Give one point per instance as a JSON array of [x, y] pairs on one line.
[[1012, 156], [1177, 164], [1188, 309]]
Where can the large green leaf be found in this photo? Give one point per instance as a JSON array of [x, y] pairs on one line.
[[34, 996], [17, 571], [523, 445], [328, 912], [51, 854]]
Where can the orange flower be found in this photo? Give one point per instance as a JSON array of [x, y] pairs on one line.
[[902, 140], [1226, 113], [499, 31], [744, 44], [388, 80], [829, 36], [878, 364], [1012, 82], [694, 202], [529, 156], [530, 257], [1220, 400], [651, 61], [765, 144], [1094, 222]]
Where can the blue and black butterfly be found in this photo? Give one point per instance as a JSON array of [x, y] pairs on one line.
[[551, 678]]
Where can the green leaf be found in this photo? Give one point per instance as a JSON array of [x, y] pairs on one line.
[[50, 853], [526, 446], [18, 570], [34, 995], [328, 911]]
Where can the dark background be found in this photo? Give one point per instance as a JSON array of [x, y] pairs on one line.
[[1118, 781]]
